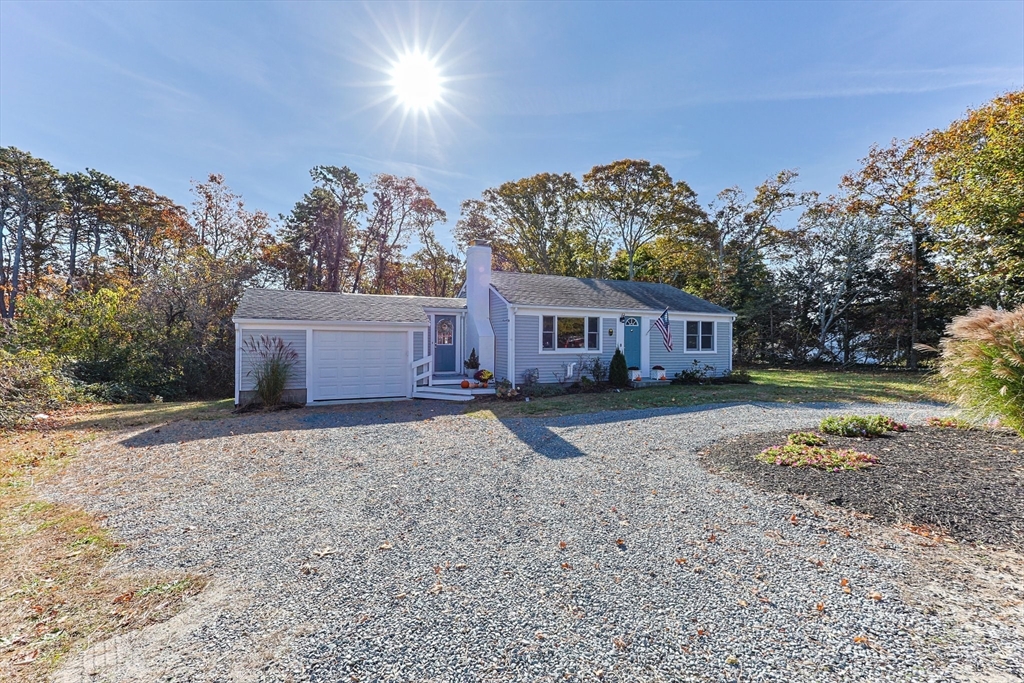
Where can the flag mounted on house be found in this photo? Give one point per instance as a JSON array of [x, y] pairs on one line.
[[666, 330]]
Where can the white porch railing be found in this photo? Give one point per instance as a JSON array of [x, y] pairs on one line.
[[427, 374]]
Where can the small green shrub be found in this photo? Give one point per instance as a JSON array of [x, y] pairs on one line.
[[695, 374], [272, 367], [618, 375], [597, 369], [948, 423], [473, 362], [832, 460], [31, 382], [857, 425], [982, 364], [806, 439]]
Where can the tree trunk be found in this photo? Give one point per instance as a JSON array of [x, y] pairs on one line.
[[73, 252], [914, 305], [19, 243]]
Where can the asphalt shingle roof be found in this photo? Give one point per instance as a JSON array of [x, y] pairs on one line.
[[527, 289], [280, 304]]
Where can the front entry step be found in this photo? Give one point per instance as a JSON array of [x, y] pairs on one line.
[[449, 393], [442, 394]]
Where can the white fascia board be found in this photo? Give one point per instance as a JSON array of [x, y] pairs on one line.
[[444, 311], [266, 323], [616, 312], [495, 290]]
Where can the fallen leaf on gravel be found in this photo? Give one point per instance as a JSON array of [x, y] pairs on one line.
[[400, 596], [732, 660], [384, 546], [793, 520], [861, 640], [124, 597], [620, 542], [844, 582], [820, 607], [561, 545], [680, 560], [875, 596], [540, 636], [741, 603], [27, 659], [325, 552], [620, 643], [566, 565], [460, 567]]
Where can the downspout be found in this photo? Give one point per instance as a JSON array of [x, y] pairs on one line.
[[238, 364], [511, 311]]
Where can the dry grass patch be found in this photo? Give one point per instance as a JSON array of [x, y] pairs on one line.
[[55, 597]]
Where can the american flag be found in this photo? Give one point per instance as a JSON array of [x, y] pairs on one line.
[[666, 330]]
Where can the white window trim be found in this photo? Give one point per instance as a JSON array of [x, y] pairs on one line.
[[568, 352], [714, 338]]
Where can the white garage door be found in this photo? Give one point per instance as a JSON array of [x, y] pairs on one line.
[[360, 365]]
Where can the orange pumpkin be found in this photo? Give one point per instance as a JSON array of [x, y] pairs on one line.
[[465, 384]]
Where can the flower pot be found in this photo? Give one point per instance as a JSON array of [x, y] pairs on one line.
[[635, 376], [657, 373]]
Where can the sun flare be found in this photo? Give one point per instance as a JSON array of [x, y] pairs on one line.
[[416, 81]]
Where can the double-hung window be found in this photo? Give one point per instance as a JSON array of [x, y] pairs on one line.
[[564, 332], [700, 335]]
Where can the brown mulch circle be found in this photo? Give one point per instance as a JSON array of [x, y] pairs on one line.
[[965, 484]]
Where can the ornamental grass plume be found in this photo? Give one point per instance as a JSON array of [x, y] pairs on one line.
[[982, 364]]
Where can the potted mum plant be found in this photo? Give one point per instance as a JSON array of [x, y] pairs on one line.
[[483, 376]]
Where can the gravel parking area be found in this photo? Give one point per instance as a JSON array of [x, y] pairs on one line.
[[406, 542]]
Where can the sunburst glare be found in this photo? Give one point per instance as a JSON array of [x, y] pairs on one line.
[[416, 81]]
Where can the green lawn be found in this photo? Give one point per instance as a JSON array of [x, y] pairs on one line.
[[788, 386]]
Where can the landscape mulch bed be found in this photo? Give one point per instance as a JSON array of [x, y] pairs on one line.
[[964, 484]]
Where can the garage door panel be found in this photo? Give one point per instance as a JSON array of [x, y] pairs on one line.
[[349, 364]]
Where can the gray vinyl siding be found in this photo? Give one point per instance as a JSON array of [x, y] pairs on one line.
[[679, 359], [528, 354], [417, 351], [499, 323], [294, 338], [417, 345]]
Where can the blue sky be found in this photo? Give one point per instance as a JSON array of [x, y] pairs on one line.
[[721, 94]]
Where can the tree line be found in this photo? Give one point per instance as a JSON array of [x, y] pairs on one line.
[[138, 291]]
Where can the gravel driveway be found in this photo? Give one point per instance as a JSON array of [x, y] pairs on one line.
[[405, 542]]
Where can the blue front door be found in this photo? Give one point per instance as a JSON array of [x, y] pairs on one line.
[[444, 343], [631, 343]]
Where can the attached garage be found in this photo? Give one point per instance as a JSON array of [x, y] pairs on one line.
[[352, 365], [348, 346]]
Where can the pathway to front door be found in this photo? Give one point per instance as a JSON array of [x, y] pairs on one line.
[[444, 343]]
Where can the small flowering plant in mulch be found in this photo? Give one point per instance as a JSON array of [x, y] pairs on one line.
[[803, 455], [806, 439], [866, 426]]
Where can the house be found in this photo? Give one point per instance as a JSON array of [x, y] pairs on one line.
[[365, 346]]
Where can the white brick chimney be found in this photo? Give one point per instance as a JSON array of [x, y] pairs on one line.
[[479, 334]]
